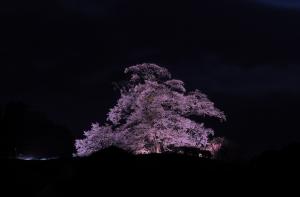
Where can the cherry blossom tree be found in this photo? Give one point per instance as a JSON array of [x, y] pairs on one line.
[[153, 115]]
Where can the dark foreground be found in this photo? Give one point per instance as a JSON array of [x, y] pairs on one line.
[[113, 171]]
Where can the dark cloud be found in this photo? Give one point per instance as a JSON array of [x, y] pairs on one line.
[[257, 80], [292, 4]]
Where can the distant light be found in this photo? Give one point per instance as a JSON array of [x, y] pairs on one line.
[[26, 157]]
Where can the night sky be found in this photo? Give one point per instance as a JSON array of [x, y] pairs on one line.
[[61, 57]]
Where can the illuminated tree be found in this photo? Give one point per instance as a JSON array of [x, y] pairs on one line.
[[153, 115]]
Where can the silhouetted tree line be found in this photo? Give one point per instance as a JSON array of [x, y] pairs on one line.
[[125, 172], [28, 133]]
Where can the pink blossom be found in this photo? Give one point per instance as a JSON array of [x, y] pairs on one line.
[[152, 115]]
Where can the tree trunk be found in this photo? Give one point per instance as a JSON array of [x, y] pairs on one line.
[[157, 148]]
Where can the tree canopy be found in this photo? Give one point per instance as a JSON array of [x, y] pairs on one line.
[[152, 115]]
